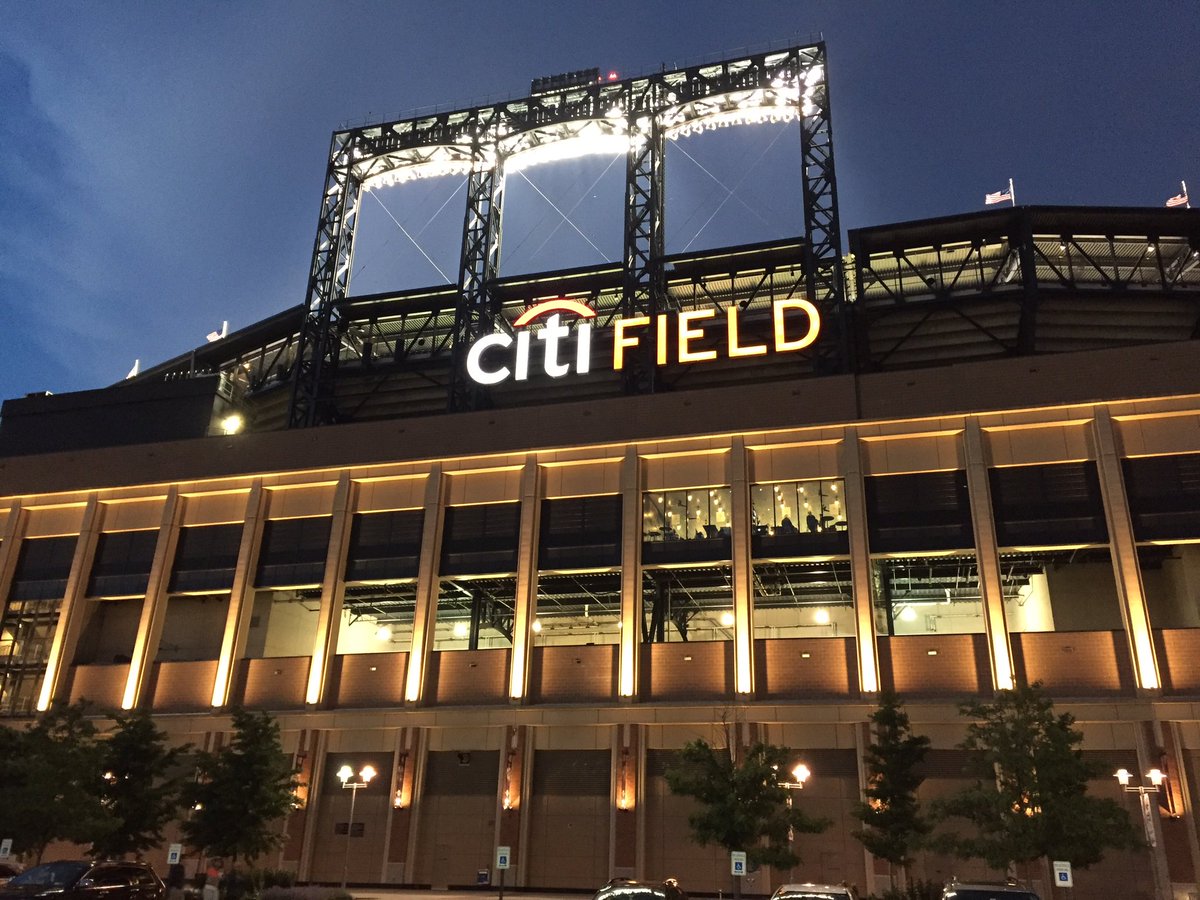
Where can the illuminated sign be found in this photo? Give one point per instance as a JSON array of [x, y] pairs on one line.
[[676, 337]]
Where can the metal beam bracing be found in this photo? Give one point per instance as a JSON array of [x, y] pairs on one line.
[[477, 313], [823, 251], [318, 342], [634, 116]]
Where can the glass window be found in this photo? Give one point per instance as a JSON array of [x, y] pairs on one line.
[[924, 511], [1164, 496], [1051, 504], [1060, 590], [205, 558], [687, 604], [480, 539], [578, 609], [283, 623], [110, 632], [26, 631], [377, 618], [803, 599], [293, 552], [798, 518], [385, 545], [122, 564], [43, 567], [684, 526], [927, 595], [193, 627], [475, 613], [580, 532], [1171, 578]]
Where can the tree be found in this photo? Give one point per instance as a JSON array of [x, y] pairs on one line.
[[894, 826], [1029, 801], [51, 779], [742, 803], [242, 792], [143, 784]]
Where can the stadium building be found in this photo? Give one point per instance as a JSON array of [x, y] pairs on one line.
[[513, 540]]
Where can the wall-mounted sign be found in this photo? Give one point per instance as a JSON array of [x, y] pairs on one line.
[[676, 338]]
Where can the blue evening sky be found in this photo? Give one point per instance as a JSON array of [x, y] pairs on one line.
[[161, 164]]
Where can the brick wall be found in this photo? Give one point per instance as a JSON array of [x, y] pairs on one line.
[[278, 682], [1179, 659], [936, 665], [183, 686], [583, 674], [687, 671], [803, 668], [104, 686], [467, 677], [369, 679], [1074, 663]]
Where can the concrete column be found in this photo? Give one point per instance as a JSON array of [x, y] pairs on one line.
[[1148, 759], [525, 606], [241, 594], [743, 571], [862, 738], [401, 822], [425, 614], [317, 753], [333, 590], [10, 549], [418, 763], [987, 556], [73, 614], [860, 561], [154, 606], [1130, 593], [624, 834], [631, 575], [512, 818]]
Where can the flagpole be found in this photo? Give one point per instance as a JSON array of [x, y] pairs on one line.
[[1012, 194]]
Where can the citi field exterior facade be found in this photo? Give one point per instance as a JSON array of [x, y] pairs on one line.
[[513, 541]]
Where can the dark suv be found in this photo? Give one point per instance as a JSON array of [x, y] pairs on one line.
[[86, 880]]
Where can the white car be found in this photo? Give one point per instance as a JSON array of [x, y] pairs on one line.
[[810, 891], [984, 891]]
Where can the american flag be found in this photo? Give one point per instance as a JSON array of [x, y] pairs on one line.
[[998, 197], [1178, 200]]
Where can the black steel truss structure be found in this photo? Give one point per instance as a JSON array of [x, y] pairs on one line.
[[636, 113]]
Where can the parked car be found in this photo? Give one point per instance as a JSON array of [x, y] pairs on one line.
[[8, 870], [628, 889], [980, 890], [86, 880], [809, 891]]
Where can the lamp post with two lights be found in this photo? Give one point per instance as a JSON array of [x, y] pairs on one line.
[[354, 784]]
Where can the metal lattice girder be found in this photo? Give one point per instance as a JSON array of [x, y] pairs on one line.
[[477, 314], [823, 276], [635, 116], [643, 292], [318, 343]]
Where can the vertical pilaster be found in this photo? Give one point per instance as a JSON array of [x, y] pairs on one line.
[[860, 561], [333, 590], [1151, 817], [624, 844], [317, 753], [512, 826], [425, 614], [1130, 593], [418, 766], [743, 575], [401, 821], [241, 594], [862, 739], [10, 549], [525, 607], [631, 573], [987, 556], [154, 606], [72, 615]]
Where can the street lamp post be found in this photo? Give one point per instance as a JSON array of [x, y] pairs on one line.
[[1156, 778], [352, 784], [801, 773]]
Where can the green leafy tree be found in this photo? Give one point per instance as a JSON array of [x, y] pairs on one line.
[[51, 782], [242, 792], [1029, 801], [742, 803], [894, 825], [143, 784]]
